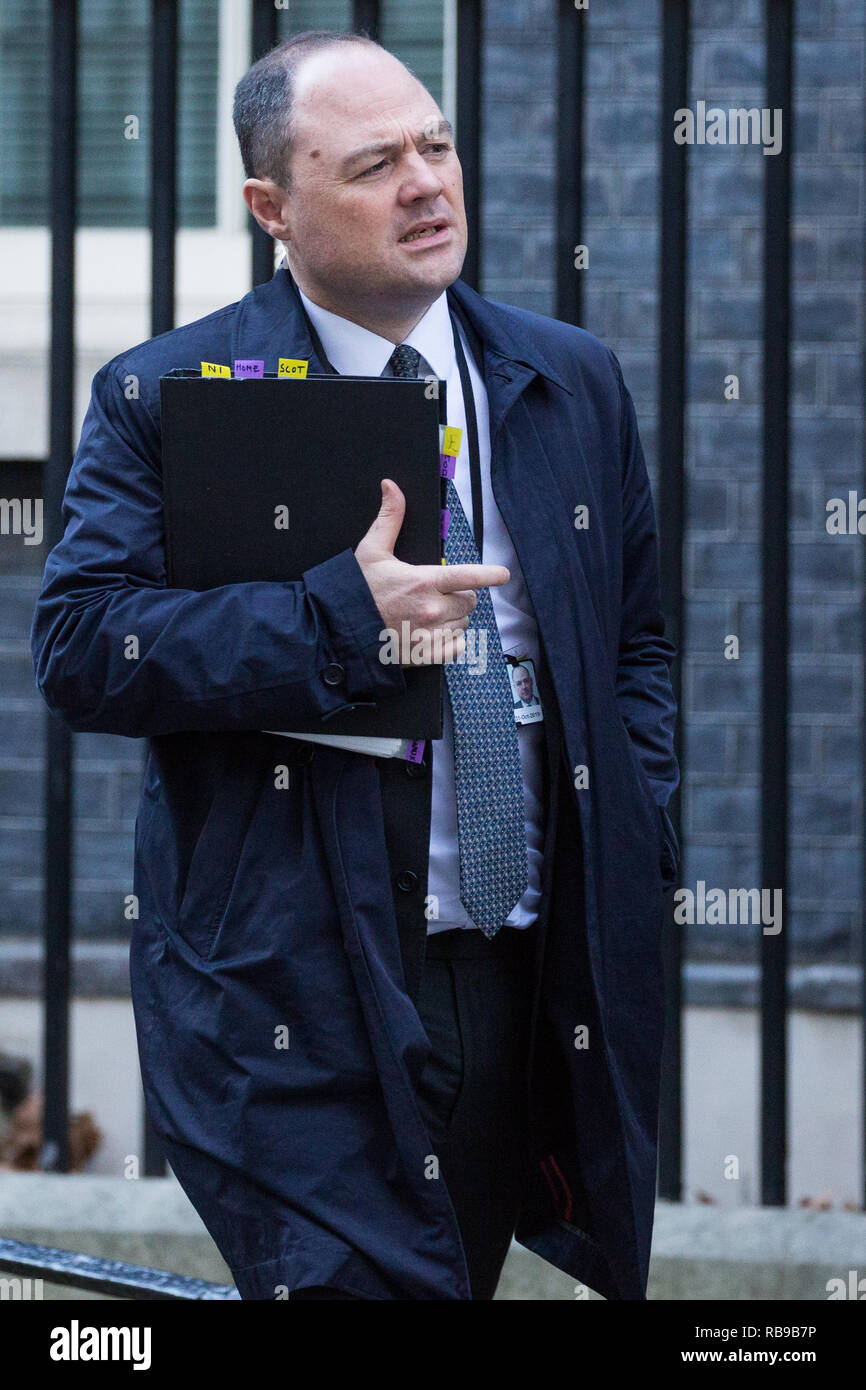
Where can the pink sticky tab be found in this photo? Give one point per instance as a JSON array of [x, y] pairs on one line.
[[415, 751], [447, 465], [446, 521], [249, 366]]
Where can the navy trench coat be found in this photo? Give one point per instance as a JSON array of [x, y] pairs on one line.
[[275, 959]]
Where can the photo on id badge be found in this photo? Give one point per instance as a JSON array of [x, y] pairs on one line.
[[524, 690]]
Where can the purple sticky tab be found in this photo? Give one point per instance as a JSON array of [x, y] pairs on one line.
[[447, 465], [250, 366], [415, 751], [446, 521]]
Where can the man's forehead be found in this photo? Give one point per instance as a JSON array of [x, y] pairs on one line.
[[360, 90], [346, 76]]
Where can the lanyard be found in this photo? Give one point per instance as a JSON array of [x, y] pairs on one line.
[[469, 411], [474, 451]]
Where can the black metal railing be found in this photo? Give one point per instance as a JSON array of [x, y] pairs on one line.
[[73, 1270]]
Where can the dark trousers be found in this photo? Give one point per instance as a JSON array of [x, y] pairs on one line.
[[474, 1002]]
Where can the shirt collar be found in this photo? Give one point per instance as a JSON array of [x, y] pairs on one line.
[[355, 351]]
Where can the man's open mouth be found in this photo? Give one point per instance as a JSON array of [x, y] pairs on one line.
[[425, 232]]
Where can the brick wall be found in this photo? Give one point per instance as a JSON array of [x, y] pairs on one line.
[[721, 793]]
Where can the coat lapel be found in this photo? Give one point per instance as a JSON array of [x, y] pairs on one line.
[[271, 323]]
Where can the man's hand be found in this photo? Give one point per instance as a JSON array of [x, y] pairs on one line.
[[433, 599]]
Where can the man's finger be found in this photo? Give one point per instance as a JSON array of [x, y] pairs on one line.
[[449, 578]]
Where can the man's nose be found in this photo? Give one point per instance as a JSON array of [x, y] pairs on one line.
[[420, 177]]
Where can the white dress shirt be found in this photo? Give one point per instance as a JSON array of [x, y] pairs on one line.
[[354, 350]]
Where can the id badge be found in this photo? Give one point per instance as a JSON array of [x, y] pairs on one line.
[[524, 689]]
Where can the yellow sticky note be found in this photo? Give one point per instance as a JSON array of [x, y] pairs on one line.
[[443, 559], [215, 369], [292, 366], [452, 441]]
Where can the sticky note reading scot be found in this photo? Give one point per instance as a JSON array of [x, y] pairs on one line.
[[292, 366]]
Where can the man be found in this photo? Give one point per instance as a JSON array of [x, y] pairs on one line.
[[394, 1012], [523, 686]]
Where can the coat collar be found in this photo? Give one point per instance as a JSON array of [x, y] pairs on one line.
[[271, 322]]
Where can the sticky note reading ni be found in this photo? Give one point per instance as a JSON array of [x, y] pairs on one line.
[[249, 366], [215, 369], [415, 751], [452, 441], [447, 465], [292, 366]]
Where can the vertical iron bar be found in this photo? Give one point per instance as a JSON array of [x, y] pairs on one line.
[[57, 878], [863, 796], [571, 43], [264, 37], [779, 16], [163, 163], [163, 230], [673, 271], [365, 18], [469, 35]]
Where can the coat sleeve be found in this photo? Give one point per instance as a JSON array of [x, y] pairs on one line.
[[643, 686], [116, 651]]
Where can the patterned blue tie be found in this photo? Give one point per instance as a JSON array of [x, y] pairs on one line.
[[488, 774]]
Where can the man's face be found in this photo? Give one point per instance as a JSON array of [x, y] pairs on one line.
[[373, 157], [523, 681]]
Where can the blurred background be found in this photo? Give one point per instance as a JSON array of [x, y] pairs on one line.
[[729, 282]]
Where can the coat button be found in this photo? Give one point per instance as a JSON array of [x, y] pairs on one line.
[[416, 769], [407, 880], [333, 673]]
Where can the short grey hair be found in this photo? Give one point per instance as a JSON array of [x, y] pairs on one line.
[[262, 113]]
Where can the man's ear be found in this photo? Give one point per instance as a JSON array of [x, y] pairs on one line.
[[269, 205]]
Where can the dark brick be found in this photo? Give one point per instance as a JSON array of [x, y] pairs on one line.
[[599, 67], [841, 749], [708, 622], [708, 751], [846, 127], [830, 874], [825, 936], [713, 252], [718, 809], [728, 62], [822, 316], [17, 601], [638, 310], [96, 795], [639, 193], [823, 811], [724, 565], [21, 789], [729, 314], [709, 504], [833, 185], [17, 680], [726, 15], [823, 688], [723, 687], [827, 63], [819, 442]]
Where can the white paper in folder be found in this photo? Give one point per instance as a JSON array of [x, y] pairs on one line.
[[373, 747]]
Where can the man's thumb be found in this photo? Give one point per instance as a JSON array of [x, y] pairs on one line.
[[386, 527]]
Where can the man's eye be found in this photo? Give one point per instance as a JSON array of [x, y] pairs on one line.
[[440, 147], [373, 167]]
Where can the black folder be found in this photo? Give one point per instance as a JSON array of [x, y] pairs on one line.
[[235, 450]]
